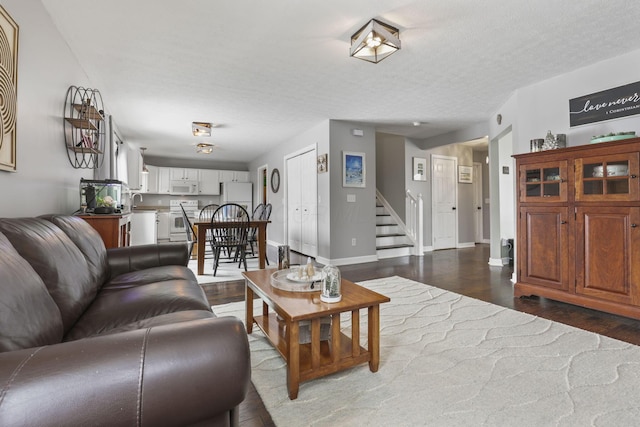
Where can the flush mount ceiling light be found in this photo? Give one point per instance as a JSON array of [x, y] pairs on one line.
[[204, 148], [201, 128], [375, 41]]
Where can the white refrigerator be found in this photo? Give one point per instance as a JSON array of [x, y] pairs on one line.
[[240, 193]]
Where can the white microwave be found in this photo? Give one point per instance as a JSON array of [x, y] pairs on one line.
[[182, 187]]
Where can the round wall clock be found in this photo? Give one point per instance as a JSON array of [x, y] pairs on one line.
[[275, 180]]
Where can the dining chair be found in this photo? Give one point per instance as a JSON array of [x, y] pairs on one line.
[[258, 212], [205, 215], [233, 237], [191, 234]]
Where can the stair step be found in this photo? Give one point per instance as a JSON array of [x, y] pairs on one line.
[[401, 245], [390, 235]]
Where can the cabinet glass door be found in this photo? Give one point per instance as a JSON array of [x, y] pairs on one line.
[[543, 182], [607, 178]]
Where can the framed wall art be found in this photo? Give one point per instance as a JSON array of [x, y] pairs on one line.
[[465, 174], [323, 163], [419, 169], [8, 90], [353, 169]]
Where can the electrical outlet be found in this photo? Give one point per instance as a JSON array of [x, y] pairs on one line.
[[353, 241]]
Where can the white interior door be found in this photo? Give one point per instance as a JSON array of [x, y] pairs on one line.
[[444, 201], [302, 203], [294, 205], [477, 202], [309, 203]]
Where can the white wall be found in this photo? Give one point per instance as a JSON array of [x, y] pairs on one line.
[[45, 181], [544, 106], [506, 185]]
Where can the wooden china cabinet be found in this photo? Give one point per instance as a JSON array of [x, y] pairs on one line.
[[579, 226]]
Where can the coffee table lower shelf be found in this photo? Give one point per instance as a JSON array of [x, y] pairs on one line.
[[274, 330]]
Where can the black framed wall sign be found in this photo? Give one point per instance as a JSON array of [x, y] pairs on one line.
[[608, 104]]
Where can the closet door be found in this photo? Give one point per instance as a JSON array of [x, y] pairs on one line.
[[302, 203], [294, 208], [309, 203]]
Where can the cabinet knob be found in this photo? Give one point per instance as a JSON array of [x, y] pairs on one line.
[[634, 225], [563, 222], [634, 176], [453, 208]]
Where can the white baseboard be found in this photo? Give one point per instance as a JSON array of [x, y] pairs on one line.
[[496, 262], [347, 261], [427, 249], [466, 245]]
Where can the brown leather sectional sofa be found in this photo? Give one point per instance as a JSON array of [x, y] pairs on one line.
[[118, 337]]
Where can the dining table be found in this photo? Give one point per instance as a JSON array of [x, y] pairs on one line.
[[201, 238]]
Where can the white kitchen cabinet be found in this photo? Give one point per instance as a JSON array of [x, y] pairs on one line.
[[164, 227], [144, 228], [152, 180], [164, 180], [209, 182], [184, 174], [234, 176]]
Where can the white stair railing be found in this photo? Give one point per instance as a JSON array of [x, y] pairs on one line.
[[414, 224]]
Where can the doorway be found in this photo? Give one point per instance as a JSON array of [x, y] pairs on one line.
[[262, 185], [478, 215], [444, 190]]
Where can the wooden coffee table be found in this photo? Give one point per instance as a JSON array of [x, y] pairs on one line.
[[318, 358]]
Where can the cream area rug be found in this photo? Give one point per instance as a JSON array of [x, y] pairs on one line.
[[450, 360], [227, 271]]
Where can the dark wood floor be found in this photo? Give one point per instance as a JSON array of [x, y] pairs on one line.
[[465, 271]]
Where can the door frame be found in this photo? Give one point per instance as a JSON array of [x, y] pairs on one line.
[[479, 199], [262, 190], [433, 198]]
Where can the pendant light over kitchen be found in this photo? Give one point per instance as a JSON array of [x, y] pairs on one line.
[[145, 170]]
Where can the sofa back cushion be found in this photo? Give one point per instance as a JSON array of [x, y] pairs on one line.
[[88, 240], [59, 263], [28, 315]]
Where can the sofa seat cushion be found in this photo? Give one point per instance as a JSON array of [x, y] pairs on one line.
[[58, 261], [114, 308], [150, 275], [29, 317]]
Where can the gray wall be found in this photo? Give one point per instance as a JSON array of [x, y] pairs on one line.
[[45, 181], [352, 220], [390, 170]]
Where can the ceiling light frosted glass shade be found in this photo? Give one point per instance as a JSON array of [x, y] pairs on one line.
[[375, 41], [201, 129], [204, 148]]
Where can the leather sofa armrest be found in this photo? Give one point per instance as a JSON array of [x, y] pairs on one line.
[[134, 258], [173, 375]]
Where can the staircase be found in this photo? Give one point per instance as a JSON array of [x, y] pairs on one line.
[[391, 240]]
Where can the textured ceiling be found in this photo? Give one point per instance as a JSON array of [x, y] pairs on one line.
[[269, 70]]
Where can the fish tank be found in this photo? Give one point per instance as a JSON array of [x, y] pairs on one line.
[[104, 196]]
